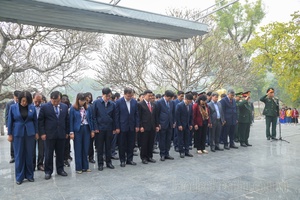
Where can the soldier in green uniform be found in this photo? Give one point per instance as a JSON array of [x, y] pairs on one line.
[[271, 111], [236, 132], [245, 119]]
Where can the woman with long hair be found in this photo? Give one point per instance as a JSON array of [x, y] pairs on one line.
[[81, 130], [201, 122]]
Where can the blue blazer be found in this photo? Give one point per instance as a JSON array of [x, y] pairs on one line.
[[49, 124], [126, 121], [104, 117], [16, 125], [165, 115], [229, 110], [75, 119], [183, 117]]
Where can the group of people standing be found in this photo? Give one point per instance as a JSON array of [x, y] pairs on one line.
[[288, 116], [126, 122]]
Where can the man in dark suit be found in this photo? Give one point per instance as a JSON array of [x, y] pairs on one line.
[[148, 126], [180, 97], [127, 124], [37, 100], [217, 120], [184, 119], [53, 121], [166, 120], [230, 114], [7, 107], [104, 123]]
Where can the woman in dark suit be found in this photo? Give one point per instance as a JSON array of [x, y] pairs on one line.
[[81, 130], [22, 131], [201, 122]]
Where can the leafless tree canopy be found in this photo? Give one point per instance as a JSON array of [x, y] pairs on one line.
[[125, 63], [41, 58]]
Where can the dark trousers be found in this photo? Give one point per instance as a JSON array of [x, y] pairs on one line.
[[147, 141], [191, 137], [200, 137], [156, 140], [165, 136], [271, 120], [175, 137], [244, 130], [207, 136], [57, 145], [67, 149], [81, 147], [126, 143], [113, 144], [91, 148], [237, 132], [40, 159], [103, 139], [12, 154], [23, 151], [183, 140], [228, 131], [214, 134]]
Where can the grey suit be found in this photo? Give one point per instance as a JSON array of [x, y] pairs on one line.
[[215, 131]]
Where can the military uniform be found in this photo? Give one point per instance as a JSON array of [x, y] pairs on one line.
[[245, 119], [271, 111]]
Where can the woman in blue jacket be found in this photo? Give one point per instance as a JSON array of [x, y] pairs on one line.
[[22, 131], [81, 130]]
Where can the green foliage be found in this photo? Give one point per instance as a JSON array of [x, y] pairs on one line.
[[277, 49]]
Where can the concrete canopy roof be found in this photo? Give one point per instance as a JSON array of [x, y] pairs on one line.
[[89, 15]]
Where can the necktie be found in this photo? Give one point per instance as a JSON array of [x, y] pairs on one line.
[[56, 111], [149, 106]]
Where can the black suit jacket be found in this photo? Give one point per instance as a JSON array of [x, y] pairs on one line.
[[7, 107], [49, 124], [147, 119]]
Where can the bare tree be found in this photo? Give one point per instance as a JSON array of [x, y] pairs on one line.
[[41, 57], [125, 63]]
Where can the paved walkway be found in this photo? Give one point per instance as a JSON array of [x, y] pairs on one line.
[[268, 170]]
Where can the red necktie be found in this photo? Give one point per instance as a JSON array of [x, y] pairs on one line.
[[149, 106]]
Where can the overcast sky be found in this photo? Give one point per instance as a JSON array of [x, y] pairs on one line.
[[277, 10]]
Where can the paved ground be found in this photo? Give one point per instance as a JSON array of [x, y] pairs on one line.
[[268, 170]]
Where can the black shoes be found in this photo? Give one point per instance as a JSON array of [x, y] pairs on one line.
[[274, 138], [47, 176], [66, 163], [243, 145], [62, 173], [162, 158], [19, 182], [212, 150], [110, 166], [151, 160], [144, 161], [233, 146], [169, 157], [41, 168], [30, 179], [181, 155], [12, 160], [100, 168], [226, 147], [249, 145], [122, 164], [189, 155], [91, 160], [130, 163]]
